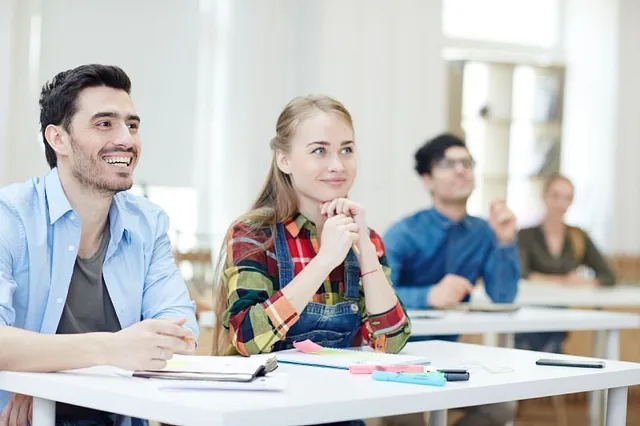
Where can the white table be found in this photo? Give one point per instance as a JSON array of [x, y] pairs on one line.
[[524, 320], [319, 395], [530, 319], [551, 294]]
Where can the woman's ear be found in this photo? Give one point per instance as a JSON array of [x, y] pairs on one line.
[[284, 162]]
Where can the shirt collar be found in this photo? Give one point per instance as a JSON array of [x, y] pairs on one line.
[[57, 202], [120, 220], [444, 222], [296, 223]]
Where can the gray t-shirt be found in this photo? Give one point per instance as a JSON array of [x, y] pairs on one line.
[[88, 309]]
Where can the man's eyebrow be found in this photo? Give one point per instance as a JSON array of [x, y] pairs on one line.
[[112, 114]]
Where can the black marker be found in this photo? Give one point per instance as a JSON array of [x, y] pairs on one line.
[[455, 375]]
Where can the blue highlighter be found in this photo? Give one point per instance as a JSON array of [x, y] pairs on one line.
[[426, 379]]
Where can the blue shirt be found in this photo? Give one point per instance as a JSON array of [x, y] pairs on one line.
[[426, 246], [39, 240]]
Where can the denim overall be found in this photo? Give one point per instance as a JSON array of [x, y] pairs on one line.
[[332, 326]]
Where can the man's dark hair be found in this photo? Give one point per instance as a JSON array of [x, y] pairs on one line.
[[433, 151], [58, 98]]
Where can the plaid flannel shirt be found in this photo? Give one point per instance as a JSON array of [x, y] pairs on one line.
[[258, 315]]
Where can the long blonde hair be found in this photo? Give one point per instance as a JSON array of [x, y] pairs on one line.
[[276, 201]]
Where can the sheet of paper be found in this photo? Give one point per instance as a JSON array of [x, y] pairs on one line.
[[101, 370], [271, 382]]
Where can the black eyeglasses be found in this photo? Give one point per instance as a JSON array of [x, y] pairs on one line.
[[450, 163]]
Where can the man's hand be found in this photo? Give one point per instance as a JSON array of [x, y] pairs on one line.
[[18, 411], [573, 278], [502, 221], [149, 344], [449, 291]]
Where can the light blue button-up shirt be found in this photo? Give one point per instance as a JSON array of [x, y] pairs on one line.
[[39, 240]]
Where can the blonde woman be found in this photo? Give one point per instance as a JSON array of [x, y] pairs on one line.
[[302, 263]]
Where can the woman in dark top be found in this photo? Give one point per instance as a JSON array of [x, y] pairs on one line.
[[553, 251]]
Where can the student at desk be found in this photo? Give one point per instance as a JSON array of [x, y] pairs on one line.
[[302, 263], [436, 255], [553, 251], [87, 275]]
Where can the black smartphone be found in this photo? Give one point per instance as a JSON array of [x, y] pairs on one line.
[[570, 363]]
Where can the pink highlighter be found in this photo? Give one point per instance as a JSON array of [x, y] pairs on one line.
[[369, 369]]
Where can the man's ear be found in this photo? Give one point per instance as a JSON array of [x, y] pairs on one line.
[[57, 139], [284, 162], [427, 181]]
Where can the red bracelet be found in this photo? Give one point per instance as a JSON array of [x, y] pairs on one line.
[[379, 268]]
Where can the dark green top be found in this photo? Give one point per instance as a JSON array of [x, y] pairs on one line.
[[535, 256]]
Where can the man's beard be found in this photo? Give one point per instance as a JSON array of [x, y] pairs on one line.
[[87, 170]]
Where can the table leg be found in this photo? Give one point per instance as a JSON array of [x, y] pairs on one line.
[[617, 407], [509, 340], [611, 351], [596, 398], [438, 418], [608, 349], [490, 339], [44, 412]]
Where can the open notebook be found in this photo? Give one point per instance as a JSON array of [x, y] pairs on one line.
[[310, 353]]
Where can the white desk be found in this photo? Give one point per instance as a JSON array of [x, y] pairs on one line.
[[530, 319], [526, 319], [550, 294], [319, 395]]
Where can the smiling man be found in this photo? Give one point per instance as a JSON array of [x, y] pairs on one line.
[[87, 275]]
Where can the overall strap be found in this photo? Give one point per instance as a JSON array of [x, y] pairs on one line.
[[285, 264]]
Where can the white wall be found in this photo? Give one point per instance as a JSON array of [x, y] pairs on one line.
[[6, 15], [591, 107], [24, 156], [625, 224], [600, 147], [154, 42]]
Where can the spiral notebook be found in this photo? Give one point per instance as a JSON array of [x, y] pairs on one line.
[[312, 354]]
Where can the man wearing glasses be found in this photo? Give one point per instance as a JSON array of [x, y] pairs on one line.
[[436, 255]]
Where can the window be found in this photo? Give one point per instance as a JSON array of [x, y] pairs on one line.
[[523, 22]]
